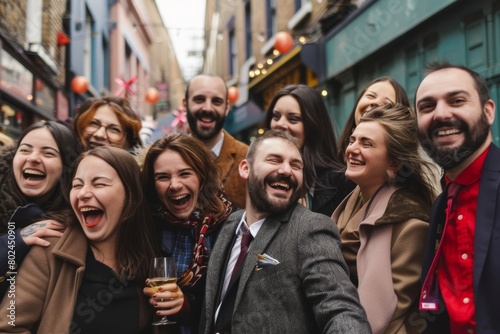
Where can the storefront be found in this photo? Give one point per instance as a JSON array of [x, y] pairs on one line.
[[289, 69], [244, 122], [26, 94]]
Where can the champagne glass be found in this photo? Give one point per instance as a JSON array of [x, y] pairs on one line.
[[162, 271]]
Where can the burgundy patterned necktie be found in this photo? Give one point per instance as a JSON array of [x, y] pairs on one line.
[[246, 239]]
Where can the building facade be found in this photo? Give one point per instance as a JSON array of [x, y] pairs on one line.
[[240, 48], [342, 45], [32, 58], [44, 44], [398, 38]]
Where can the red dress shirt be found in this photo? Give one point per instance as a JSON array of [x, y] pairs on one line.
[[456, 265]]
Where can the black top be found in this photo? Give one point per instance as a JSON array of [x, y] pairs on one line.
[[335, 189], [106, 303]]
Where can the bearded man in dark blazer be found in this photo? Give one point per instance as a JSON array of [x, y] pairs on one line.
[[461, 274], [293, 279]]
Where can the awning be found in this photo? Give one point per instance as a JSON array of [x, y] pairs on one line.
[[243, 117], [278, 64]]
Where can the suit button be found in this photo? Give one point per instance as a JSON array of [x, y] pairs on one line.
[[2, 278]]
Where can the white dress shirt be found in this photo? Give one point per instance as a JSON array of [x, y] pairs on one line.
[[235, 253]]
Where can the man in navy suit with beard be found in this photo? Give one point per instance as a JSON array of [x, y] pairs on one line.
[[461, 271]]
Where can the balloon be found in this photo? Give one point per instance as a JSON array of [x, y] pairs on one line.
[[152, 95], [233, 94], [283, 42], [79, 84]]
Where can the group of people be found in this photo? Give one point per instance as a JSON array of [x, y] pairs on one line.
[[294, 233]]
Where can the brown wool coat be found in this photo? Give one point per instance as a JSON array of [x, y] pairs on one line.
[[47, 285], [391, 232], [231, 154]]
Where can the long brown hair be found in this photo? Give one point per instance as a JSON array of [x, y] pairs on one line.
[[401, 133], [135, 241], [198, 157]]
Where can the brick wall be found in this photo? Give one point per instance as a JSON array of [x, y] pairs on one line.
[[13, 19], [13, 25]]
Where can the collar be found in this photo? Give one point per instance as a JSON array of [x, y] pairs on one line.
[[254, 228], [218, 146], [473, 172], [72, 245]]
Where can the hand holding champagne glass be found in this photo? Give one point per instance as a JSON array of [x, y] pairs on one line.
[[162, 271]]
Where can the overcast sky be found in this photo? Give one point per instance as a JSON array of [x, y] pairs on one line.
[[185, 20]]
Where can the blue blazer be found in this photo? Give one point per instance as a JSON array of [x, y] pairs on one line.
[[486, 251]]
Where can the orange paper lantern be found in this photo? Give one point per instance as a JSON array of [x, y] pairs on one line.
[[79, 84], [283, 42], [152, 95], [233, 94]]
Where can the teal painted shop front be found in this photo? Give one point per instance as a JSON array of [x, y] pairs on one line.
[[399, 37]]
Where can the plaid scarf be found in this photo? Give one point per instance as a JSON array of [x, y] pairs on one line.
[[203, 225]]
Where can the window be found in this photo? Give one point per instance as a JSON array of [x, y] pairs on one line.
[[89, 48], [105, 50], [248, 29], [303, 8], [430, 45], [233, 53], [475, 37], [271, 24], [15, 78], [299, 4], [412, 69], [496, 20], [128, 61], [45, 97]]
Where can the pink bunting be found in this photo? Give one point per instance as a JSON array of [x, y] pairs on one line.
[[180, 118], [125, 86]]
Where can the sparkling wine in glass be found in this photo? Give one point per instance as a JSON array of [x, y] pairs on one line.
[[162, 271]]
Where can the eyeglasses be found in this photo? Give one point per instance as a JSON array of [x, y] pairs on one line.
[[113, 132]]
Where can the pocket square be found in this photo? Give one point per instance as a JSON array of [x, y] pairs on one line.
[[264, 260]]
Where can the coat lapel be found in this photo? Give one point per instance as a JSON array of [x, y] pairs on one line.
[[217, 263], [486, 206], [263, 238], [226, 157]]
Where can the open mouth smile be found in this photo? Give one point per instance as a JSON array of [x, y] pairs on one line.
[[92, 216], [33, 176]]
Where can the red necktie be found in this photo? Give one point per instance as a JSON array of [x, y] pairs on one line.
[[429, 297], [246, 239]]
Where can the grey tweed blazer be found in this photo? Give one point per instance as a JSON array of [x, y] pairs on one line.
[[309, 291]]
